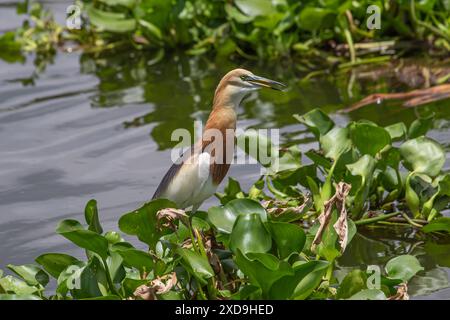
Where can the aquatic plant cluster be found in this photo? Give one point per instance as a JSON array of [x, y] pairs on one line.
[[315, 32], [281, 239]]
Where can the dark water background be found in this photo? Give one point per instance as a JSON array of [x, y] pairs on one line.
[[83, 127]]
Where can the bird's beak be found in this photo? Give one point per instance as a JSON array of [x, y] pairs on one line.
[[263, 82]]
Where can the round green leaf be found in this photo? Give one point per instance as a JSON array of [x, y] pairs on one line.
[[317, 121], [135, 258], [288, 238], [224, 217], [397, 131], [250, 235], [423, 155], [312, 19], [196, 265], [335, 142], [311, 272], [142, 221], [403, 267], [254, 8], [353, 282], [368, 294], [262, 269], [310, 282], [369, 138]]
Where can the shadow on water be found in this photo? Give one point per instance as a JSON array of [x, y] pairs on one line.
[[100, 127]]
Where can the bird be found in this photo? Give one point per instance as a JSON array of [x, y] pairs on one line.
[[195, 176]]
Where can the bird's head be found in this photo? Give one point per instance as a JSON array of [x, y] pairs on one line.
[[237, 83]]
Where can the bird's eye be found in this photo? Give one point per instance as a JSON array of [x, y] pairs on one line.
[[244, 78]]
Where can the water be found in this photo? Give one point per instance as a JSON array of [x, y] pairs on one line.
[[99, 127]]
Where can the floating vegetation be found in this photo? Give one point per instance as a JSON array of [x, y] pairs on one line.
[[280, 240], [313, 33]]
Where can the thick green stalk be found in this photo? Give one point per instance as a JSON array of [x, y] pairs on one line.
[[376, 219]]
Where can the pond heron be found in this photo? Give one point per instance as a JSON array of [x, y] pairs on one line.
[[199, 171]]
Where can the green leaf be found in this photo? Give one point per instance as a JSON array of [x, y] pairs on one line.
[[313, 19], [420, 127], [403, 267], [135, 258], [369, 138], [125, 3], [364, 168], [32, 274], [89, 240], [223, 217], [142, 221], [311, 281], [262, 269], [397, 131], [250, 235], [108, 297], [11, 49], [91, 216], [235, 14], [317, 121], [107, 21], [306, 277], [13, 285], [55, 263], [438, 224], [423, 155], [231, 191], [335, 142], [290, 160], [19, 297], [288, 238], [254, 8], [84, 279], [353, 282], [368, 294], [196, 265], [152, 29], [412, 199]]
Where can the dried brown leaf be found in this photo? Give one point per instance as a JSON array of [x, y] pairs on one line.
[[167, 217], [160, 285], [402, 293], [341, 225]]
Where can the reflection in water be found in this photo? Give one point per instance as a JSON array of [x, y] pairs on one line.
[[79, 129], [376, 246]]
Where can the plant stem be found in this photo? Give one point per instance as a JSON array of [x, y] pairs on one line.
[[329, 273], [376, 219], [200, 290], [351, 48], [410, 221]]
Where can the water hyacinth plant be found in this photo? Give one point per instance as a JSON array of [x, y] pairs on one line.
[[315, 32], [281, 239]]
